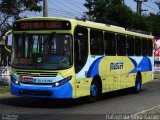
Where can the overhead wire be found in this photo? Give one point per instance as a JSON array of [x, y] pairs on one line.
[[56, 14], [152, 1], [58, 6], [73, 4], [150, 7], [156, 3], [64, 11], [77, 2], [70, 8]]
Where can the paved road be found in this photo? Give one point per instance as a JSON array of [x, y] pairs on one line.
[[119, 102]]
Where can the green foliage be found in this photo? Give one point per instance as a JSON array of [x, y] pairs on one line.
[[115, 12], [5, 89], [31, 5], [12, 9], [154, 22]]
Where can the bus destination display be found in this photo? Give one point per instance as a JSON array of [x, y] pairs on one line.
[[42, 25]]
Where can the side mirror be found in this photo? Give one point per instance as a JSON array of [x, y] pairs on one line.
[[5, 39]]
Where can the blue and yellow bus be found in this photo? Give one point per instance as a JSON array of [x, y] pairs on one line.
[[67, 58]]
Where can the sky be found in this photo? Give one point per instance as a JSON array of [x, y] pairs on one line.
[[75, 8]]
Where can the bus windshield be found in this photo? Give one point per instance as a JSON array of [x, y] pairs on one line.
[[52, 51]]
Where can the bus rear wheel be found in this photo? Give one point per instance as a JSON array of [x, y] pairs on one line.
[[138, 84]]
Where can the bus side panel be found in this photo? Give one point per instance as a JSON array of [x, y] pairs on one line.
[[128, 79], [145, 67], [147, 76], [85, 75], [116, 71], [83, 87], [123, 74]]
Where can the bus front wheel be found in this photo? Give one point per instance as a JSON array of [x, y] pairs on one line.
[[94, 91]]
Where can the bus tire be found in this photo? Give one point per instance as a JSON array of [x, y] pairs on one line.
[[95, 90], [138, 84]]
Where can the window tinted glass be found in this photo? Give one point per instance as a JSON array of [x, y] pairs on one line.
[[144, 47], [110, 43], [137, 46], [81, 47], [96, 37], [121, 45], [150, 47], [130, 45]]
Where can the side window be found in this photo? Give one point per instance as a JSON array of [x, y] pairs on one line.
[[144, 47], [137, 46], [121, 45], [150, 47], [96, 37], [110, 43], [81, 47], [130, 46]]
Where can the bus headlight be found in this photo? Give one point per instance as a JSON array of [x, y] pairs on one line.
[[15, 79], [61, 82]]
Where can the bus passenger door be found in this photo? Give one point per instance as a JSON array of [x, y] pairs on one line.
[[80, 50], [80, 61]]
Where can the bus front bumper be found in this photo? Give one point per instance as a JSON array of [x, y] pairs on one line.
[[64, 91]]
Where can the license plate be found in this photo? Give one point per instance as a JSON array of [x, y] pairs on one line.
[[27, 80]]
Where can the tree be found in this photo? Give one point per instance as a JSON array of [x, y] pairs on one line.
[[13, 8], [109, 11], [115, 12], [89, 5], [154, 22]]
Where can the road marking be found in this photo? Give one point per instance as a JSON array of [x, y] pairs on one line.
[[147, 110]]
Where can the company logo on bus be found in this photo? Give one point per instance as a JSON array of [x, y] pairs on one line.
[[116, 66], [27, 79]]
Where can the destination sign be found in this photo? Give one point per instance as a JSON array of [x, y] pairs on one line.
[[42, 25]]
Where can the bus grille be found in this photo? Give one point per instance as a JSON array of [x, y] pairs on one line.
[[37, 74], [36, 93], [31, 83]]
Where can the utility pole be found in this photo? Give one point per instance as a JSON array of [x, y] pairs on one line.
[[122, 1], [45, 8], [139, 6]]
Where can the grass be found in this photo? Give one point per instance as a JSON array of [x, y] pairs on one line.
[[4, 89]]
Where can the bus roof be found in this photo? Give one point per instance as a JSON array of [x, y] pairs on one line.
[[91, 24]]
